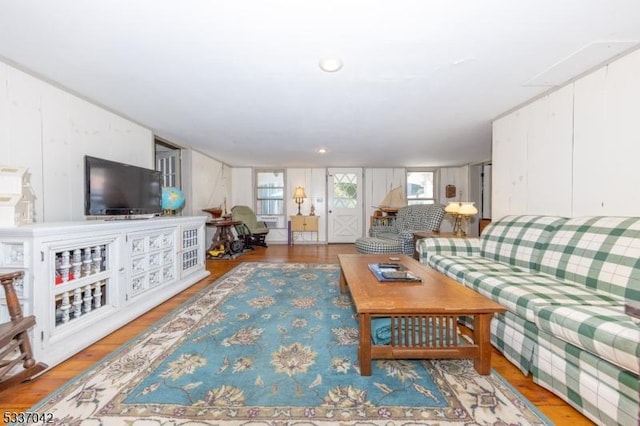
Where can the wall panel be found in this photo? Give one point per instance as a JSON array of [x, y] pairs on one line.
[[242, 191], [22, 129], [607, 140], [49, 130], [5, 148], [210, 185], [509, 164], [549, 151], [581, 144], [64, 155], [589, 150]]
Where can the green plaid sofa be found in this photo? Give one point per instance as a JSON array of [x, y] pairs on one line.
[[398, 238], [565, 283]]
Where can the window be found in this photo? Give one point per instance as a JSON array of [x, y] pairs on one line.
[[345, 190], [270, 197], [421, 187], [168, 162]]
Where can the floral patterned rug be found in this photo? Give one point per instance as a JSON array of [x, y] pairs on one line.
[[274, 343]]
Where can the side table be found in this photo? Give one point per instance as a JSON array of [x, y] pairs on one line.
[[223, 239], [303, 223], [430, 234]]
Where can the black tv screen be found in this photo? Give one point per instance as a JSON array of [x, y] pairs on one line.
[[117, 189]]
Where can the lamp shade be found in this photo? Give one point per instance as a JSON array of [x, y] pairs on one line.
[[452, 207], [299, 194], [467, 209]]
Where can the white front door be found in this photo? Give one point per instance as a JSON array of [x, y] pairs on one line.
[[344, 205]]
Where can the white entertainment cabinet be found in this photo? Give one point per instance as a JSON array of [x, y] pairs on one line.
[[83, 280]]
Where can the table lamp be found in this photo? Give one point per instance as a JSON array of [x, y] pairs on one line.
[[298, 197], [461, 211]]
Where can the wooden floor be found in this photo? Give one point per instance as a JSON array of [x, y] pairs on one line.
[[22, 397]]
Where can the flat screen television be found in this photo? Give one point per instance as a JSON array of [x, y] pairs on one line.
[[120, 190]]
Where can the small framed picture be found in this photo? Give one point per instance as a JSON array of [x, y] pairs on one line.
[[450, 191]]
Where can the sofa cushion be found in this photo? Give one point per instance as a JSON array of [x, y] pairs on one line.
[[427, 247], [518, 240], [394, 240], [371, 245], [524, 293], [601, 253], [457, 266], [605, 331]]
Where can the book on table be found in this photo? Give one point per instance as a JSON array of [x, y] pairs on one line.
[[393, 272]]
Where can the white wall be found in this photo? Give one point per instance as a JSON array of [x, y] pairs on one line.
[[377, 182], [49, 131], [532, 157], [242, 191], [574, 151], [607, 140]]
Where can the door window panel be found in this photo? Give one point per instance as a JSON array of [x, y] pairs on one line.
[[345, 190]]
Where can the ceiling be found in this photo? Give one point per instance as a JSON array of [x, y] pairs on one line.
[[239, 80]]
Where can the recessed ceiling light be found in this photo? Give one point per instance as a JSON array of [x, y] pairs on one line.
[[330, 64], [322, 150]]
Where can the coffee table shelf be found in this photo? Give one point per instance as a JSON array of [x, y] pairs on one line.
[[423, 316]]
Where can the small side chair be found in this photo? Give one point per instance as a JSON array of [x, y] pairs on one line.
[[253, 231]]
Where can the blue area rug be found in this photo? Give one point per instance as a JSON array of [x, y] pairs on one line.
[[276, 344]]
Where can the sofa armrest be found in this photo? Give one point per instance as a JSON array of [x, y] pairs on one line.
[[447, 246]]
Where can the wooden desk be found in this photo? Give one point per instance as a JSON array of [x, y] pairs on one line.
[[302, 223], [423, 316], [429, 234]]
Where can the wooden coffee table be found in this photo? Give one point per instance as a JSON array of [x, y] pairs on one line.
[[423, 316]]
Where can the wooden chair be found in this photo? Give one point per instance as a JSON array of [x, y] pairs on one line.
[[15, 346]]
